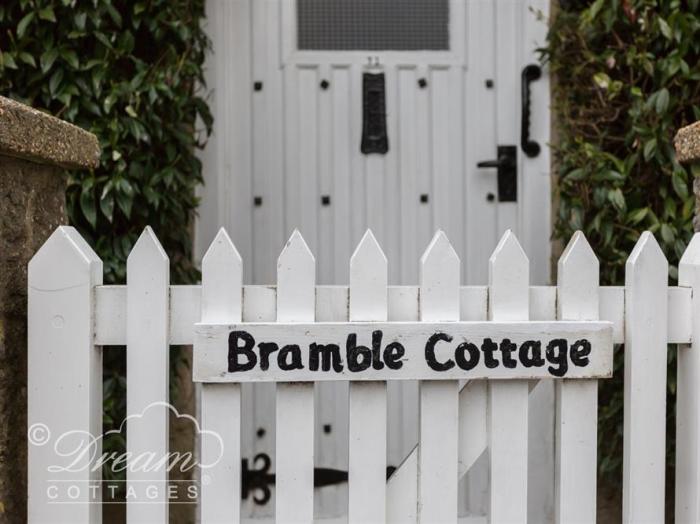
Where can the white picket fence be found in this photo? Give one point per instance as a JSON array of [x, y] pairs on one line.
[[71, 314]]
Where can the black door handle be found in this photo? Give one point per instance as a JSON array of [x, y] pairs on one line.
[[530, 74], [502, 161], [507, 171]]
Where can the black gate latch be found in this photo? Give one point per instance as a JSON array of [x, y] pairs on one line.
[[507, 165], [260, 480]]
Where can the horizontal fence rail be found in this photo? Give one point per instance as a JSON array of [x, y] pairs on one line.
[[71, 315]]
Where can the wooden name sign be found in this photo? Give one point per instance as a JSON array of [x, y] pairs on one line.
[[279, 352]]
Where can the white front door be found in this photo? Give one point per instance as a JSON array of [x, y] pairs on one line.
[[292, 102]]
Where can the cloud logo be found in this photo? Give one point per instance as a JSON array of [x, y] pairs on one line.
[[80, 448]]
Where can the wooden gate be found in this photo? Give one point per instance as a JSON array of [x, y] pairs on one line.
[[477, 350]]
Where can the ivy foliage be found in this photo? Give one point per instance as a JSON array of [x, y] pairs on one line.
[[127, 71], [626, 78]]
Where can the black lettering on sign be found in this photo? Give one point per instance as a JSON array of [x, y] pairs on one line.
[[359, 357], [244, 354], [393, 354], [579, 352], [556, 354], [330, 355], [489, 347], [531, 354], [430, 357], [507, 349], [462, 361], [235, 350], [289, 358]]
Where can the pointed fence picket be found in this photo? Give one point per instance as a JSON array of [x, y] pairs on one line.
[[577, 400], [220, 404], [508, 400], [147, 375], [71, 314], [296, 302], [438, 401], [367, 401]]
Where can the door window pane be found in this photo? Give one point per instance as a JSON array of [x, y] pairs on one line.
[[373, 25]]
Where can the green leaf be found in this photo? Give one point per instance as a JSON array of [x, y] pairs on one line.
[[649, 148], [125, 201], [87, 206], [617, 199], [47, 14], [8, 60], [48, 58], [71, 57], [27, 58], [665, 29], [662, 101], [24, 23], [55, 81], [636, 216], [679, 185], [107, 207], [667, 234]]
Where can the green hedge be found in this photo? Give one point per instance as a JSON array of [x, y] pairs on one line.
[[626, 77], [129, 72]]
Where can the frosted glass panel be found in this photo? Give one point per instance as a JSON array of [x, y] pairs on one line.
[[373, 25]]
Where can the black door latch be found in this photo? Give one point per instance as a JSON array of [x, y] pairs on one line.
[[507, 166]]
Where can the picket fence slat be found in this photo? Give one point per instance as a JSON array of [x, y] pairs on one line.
[[147, 373], [220, 408], [688, 397], [438, 409], [294, 449], [508, 400], [644, 454], [367, 413], [577, 400], [64, 370]]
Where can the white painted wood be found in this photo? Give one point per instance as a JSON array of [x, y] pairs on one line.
[[644, 456], [147, 375], [508, 401], [110, 309], [226, 195], [439, 401], [64, 372], [367, 412], [402, 492], [688, 397], [222, 301], [296, 280], [577, 401]]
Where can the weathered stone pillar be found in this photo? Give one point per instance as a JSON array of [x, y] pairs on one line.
[[35, 148], [687, 143]]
